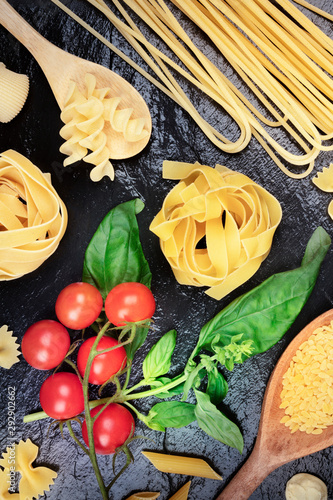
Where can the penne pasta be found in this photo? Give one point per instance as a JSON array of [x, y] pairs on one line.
[[177, 464]]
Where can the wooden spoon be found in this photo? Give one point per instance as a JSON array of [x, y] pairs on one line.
[[275, 444], [60, 67]]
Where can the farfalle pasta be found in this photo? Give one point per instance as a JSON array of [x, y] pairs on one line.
[[8, 348], [215, 227], [324, 181], [14, 88], [87, 116], [34, 481], [33, 218]]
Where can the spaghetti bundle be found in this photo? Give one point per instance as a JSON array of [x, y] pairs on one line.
[[285, 61], [33, 218], [215, 227]]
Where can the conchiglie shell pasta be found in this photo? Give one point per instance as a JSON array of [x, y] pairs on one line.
[[14, 89], [33, 218]]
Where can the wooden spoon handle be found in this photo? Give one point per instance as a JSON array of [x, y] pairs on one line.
[[247, 479], [39, 47]]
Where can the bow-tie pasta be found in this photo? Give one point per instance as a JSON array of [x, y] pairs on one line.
[[215, 227], [34, 480], [324, 181], [33, 218], [8, 348], [87, 116]]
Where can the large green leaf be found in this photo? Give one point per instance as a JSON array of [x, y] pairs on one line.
[[114, 254], [264, 314], [216, 424]]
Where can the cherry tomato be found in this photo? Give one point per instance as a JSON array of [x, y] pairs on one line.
[[61, 395], [104, 365], [110, 429], [45, 344], [78, 305], [129, 302]]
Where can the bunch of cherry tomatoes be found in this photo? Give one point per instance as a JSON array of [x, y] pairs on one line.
[[46, 343]]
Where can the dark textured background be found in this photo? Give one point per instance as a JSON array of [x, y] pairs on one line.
[[35, 134]]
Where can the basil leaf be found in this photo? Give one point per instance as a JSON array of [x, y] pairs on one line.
[[158, 360], [114, 254], [217, 387], [264, 314], [175, 391], [216, 424], [171, 414]]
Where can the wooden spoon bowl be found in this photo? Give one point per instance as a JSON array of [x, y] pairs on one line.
[[275, 444], [60, 68]]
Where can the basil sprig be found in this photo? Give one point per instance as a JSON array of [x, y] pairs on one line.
[[264, 314], [249, 325]]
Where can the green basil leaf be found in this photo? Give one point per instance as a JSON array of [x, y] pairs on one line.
[[216, 424], [264, 314], [114, 254], [172, 414], [175, 391], [217, 387], [158, 360]]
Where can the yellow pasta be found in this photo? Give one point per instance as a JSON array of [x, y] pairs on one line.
[[284, 60], [33, 218], [87, 116], [34, 481], [182, 494], [236, 217], [330, 209], [324, 180], [5, 493], [14, 89], [8, 348], [307, 385], [177, 464]]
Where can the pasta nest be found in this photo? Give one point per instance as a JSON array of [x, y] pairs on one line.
[[33, 218], [215, 227], [87, 116]]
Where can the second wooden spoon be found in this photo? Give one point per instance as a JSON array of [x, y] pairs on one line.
[[275, 444]]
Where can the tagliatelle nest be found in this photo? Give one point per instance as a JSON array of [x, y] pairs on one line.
[[215, 227], [33, 218], [8, 348], [34, 481]]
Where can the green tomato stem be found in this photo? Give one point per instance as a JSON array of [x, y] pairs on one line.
[[88, 418]]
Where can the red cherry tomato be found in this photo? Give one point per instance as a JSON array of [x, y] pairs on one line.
[[78, 305], [104, 365], [61, 396], [110, 429], [129, 302], [45, 344]]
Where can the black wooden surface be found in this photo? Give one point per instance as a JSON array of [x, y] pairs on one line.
[[35, 134]]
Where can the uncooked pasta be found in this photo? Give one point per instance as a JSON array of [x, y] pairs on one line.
[[33, 218], [285, 61], [215, 227]]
